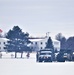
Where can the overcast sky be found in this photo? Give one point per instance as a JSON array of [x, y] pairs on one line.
[[38, 16]]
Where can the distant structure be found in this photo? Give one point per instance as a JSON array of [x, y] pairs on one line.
[[37, 44], [40, 43], [3, 41]]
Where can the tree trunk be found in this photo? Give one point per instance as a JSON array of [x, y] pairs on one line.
[[15, 54], [21, 54]]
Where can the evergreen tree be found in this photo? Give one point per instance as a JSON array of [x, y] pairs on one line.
[[63, 43], [49, 43], [18, 41], [70, 43]]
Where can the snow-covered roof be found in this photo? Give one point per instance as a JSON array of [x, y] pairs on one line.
[[35, 40], [4, 39], [32, 40]]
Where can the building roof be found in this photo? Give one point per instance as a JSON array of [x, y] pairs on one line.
[[4, 39], [35, 40]]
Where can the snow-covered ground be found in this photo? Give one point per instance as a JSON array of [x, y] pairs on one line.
[[29, 66]]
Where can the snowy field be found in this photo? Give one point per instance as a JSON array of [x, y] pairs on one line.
[[11, 66]]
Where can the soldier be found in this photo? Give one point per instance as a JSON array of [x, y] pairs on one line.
[[12, 55], [37, 56], [0, 55], [28, 55]]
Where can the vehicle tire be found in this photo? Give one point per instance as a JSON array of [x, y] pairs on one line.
[[61, 60], [40, 60], [50, 61]]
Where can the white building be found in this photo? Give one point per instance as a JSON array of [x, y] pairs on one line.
[[3, 41], [38, 44]]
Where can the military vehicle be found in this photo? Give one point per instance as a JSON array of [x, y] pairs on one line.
[[45, 55]]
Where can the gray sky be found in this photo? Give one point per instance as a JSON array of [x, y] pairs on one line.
[[38, 16]]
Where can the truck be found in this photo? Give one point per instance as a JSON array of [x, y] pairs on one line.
[[64, 55], [45, 55]]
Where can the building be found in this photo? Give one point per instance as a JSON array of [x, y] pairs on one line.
[[3, 41], [38, 44]]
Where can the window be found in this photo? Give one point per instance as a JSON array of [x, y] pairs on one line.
[[31, 47], [4, 47], [36, 43], [41, 47], [0, 42], [4, 42], [41, 42], [31, 42]]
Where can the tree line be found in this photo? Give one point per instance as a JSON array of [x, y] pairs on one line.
[[66, 44]]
